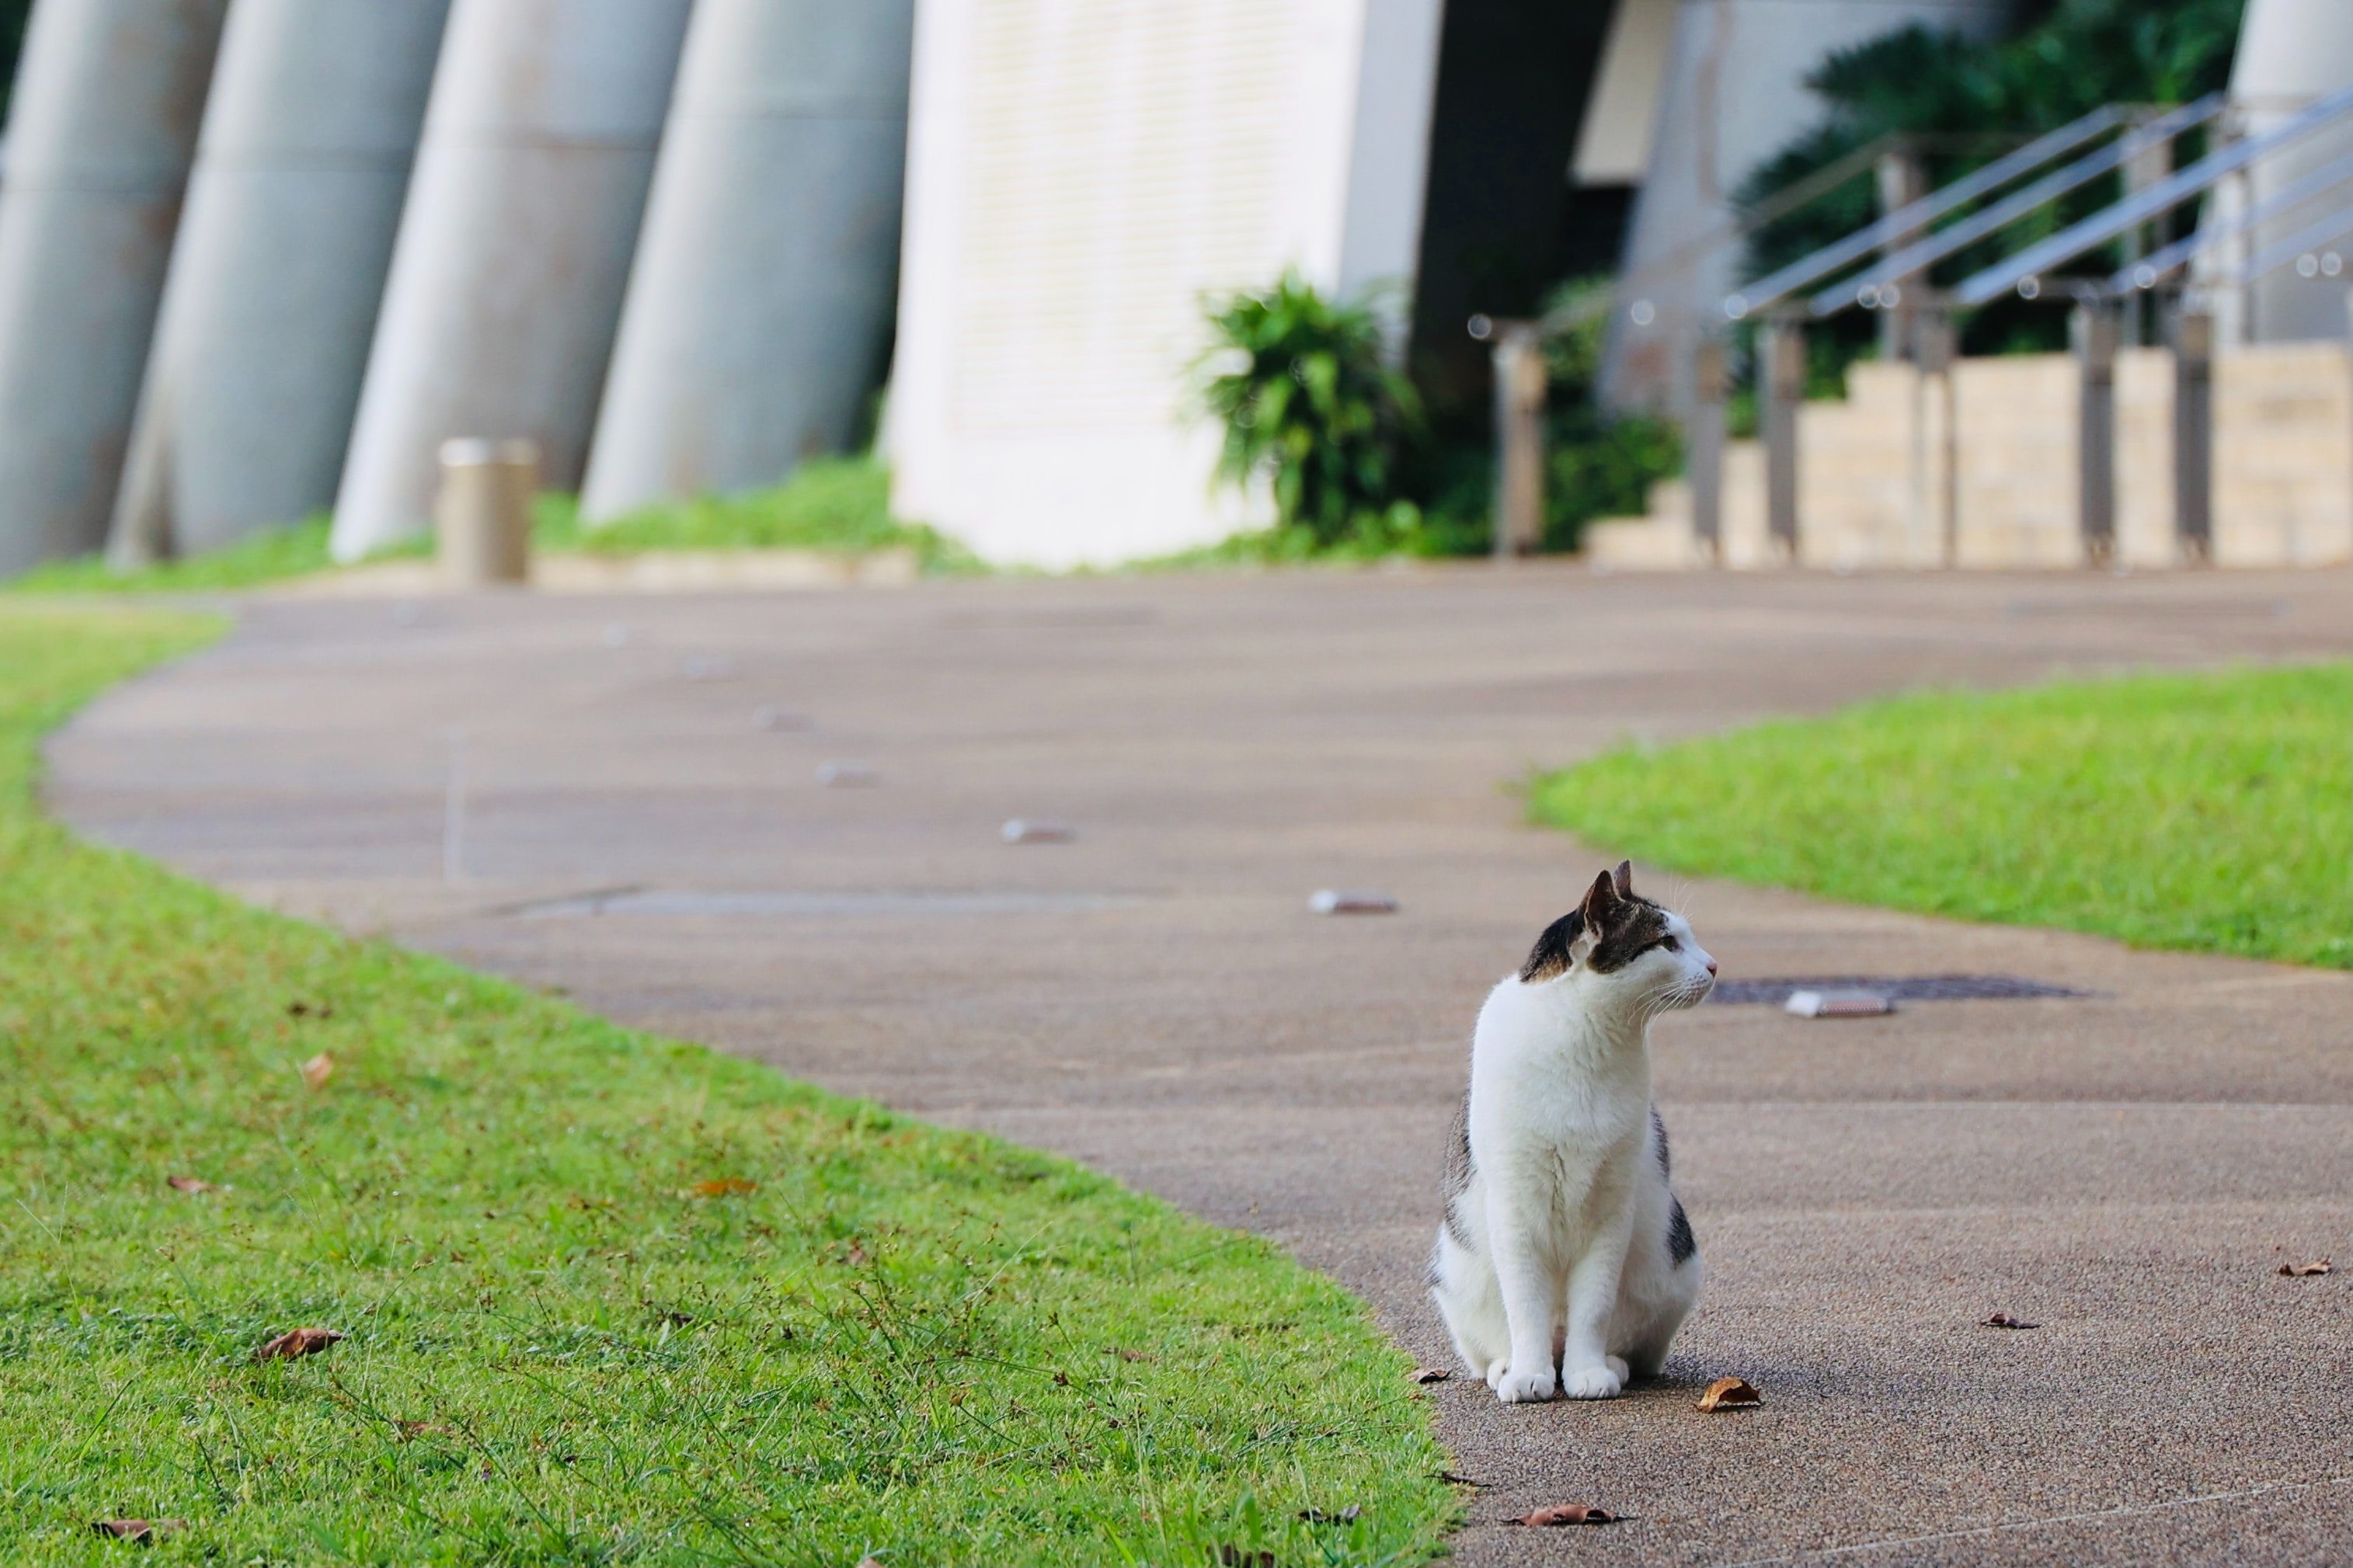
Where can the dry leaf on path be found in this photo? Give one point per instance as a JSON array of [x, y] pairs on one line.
[[1431, 1375], [296, 1342], [2004, 1320], [318, 1071], [187, 1183], [1729, 1393], [725, 1187], [1564, 1514], [2305, 1271], [140, 1529]]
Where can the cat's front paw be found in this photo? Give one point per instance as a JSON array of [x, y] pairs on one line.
[[1524, 1388], [1592, 1383]]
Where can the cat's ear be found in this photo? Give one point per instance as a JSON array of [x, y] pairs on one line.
[[1624, 877], [1601, 901]]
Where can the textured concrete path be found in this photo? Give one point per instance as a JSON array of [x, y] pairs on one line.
[[2128, 1171]]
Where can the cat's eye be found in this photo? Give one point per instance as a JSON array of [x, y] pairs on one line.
[[1670, 945]]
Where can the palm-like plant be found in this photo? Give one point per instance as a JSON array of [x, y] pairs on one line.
[[1311, 403]]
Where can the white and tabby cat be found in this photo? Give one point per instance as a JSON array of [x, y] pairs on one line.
[[1564, 1249]]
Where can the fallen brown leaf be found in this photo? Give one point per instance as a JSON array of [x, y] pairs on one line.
[[187, 1183], [725, 1187], [1729, 1393], [1431, 1375], [2305, 1271], [318, 1071], [1564, 1514], [1318, 1516], [2004, 1320], [296, 1342], [1235, 1557], [139, 1530]]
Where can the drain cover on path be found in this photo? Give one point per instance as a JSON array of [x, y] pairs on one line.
[[1895, 988]]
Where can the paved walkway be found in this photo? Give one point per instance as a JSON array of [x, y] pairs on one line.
[[2128, 1171]]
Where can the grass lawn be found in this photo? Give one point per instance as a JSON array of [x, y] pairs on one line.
[[608, 1298], [833, 505], [2212, 812]]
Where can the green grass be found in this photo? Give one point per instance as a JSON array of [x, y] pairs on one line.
[[2209, 812], [270, 556], [635, 1302], [836, 505]]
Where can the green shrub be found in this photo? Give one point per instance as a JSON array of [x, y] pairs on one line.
[[1312, 405]]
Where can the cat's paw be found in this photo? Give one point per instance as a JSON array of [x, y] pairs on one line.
[[1594, 1382], [1497, 1369], [1524, 1388], [1618, 1364]]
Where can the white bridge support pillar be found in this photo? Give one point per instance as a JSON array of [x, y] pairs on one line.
[[760, 302], [109, 96], [308, 139], [514, 248]]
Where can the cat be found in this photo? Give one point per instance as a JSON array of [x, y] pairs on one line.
[[1557, 1186]]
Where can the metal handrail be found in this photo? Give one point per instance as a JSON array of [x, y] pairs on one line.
[[2003, 212], [2140, 207], [2272, 257], [2146, 272], [1770, 289]]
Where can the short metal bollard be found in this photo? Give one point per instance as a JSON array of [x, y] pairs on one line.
[[481, 516]]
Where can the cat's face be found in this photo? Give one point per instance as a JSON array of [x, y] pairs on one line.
[[1624, 947]]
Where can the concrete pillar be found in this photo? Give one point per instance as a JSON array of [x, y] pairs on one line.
[[308, 138], [2289, 52], [759, 305], [514, 246], [103, 124]]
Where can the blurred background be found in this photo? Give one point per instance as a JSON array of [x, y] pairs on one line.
[[1053, 283]]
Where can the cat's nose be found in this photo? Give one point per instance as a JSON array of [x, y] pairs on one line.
[[1711, 966]]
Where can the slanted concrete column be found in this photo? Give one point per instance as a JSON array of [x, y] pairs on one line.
[[308, 137], [760, 301], [109, 96], [514, 248]]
